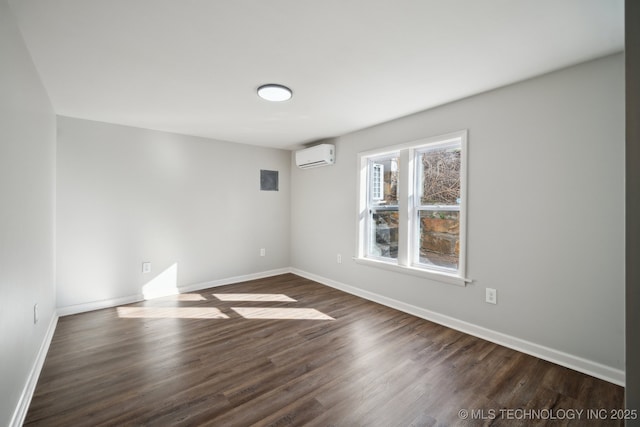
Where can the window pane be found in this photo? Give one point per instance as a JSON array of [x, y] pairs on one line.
[[384, 234], [377, 186], [383, 185], [440, 176], [439, 240]]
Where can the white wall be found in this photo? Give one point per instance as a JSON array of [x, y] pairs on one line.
[[128, 195], [27, 183], [546, 212]]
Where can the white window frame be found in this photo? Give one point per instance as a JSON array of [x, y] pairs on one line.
[[408, 207]]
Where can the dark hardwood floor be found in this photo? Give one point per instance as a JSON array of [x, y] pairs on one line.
[[289, 351]]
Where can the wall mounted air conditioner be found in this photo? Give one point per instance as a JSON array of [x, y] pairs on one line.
[[313, 157]]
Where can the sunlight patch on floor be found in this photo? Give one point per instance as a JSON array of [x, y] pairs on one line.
[[281, 313], [171, 313], [181, 297], [254, 297]]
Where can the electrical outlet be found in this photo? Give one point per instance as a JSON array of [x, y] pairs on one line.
[[339, 259], [35, 314], [263, 252], [491, 296], [146, 267]]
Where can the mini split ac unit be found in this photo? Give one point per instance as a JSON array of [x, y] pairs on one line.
[[313, 157]]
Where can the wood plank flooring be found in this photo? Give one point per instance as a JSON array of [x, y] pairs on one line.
[[289, 351]]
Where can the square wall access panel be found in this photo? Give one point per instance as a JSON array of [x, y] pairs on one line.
[[268, 180]]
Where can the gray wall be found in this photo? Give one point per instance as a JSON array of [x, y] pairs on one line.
[[546, 212], [128, 195], [632, 55], [27, 182]]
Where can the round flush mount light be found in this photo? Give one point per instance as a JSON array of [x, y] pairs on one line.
[[274, 92]]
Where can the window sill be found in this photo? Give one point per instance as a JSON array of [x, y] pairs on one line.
[[418, 272]]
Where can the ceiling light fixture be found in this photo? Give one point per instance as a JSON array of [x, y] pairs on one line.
[[274, 92]]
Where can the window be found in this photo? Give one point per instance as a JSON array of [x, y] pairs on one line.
[[412, 208], [382, 218]]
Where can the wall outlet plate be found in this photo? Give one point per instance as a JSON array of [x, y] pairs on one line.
[[146, 267], [491, 296]]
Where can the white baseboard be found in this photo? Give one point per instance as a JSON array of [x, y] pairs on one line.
[[114, 302], [231, 280], [589, 367], [98, 305], [20, 412]]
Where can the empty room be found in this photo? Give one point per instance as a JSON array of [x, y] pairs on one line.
[[336, 213]]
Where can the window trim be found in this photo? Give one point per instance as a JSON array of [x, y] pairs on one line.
[[409, 207]]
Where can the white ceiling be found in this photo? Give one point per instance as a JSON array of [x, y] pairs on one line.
[[193, 66]]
